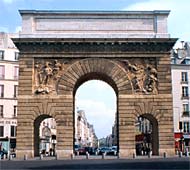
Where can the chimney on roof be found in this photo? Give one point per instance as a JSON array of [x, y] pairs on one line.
[[182, 44]]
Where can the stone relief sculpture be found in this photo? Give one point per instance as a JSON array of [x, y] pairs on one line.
[[143, 77], [46, 76]]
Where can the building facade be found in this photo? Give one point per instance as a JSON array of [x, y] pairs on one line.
[[181, 99], [9, 69], [84, 131]]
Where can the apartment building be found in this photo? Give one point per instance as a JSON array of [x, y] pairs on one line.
[[84, 131], [9, 72], [180, 69]]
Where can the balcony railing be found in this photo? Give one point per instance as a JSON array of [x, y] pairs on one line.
[[185, 96], [184, 81], [186, 113]]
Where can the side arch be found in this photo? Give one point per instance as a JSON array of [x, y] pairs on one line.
[[149, 111], [37, 122]]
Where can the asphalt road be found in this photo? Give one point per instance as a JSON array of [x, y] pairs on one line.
[[92, 164]]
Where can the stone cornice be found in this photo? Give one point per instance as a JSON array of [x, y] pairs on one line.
[[95, 12], [112, 45]]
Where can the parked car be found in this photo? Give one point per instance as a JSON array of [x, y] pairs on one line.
[[13, 154], [105, 150], [82, 151], [90, 150], [76, 148], [113, 150]]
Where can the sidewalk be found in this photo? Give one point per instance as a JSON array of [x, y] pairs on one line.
[[94, 157]]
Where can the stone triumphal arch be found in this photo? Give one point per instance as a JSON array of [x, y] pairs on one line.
[[60, 50]]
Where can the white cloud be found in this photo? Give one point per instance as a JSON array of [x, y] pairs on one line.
[[8, 1], [178, 24], [99, 85]]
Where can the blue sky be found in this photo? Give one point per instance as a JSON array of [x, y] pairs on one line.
[[178, 25], [101, 106]]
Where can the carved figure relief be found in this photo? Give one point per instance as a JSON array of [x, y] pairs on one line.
[[46, 76], [143, 76]]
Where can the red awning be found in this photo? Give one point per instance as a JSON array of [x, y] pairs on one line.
[[139, 137], [178, 135]]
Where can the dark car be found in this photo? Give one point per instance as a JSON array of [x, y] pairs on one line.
[[105, 150], [90, 150], [13, 154], [81, 151]]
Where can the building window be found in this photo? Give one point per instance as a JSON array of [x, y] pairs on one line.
[[1, 131], [1, 55], [184, 77], [186, 110], [186, 127], [1, 90], [185, 91], [13, 131], [16, 70], [15, 111], [15, 90], [16, 56], [2, 72], [1, 110]]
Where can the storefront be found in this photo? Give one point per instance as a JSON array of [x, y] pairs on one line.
[[178, 142]]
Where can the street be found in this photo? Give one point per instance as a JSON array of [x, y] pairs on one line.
[[98, 164]]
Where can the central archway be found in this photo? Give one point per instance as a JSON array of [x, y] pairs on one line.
[[106, 70], [98, 115]]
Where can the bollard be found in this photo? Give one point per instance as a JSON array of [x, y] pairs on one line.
[[25, 157], [115, 153], [41, 156], [134, 155], [56, 157], [77, 153], [180, 154], [187, 154], [149, 154], [164, 154], [72, 156], [4, 156], [103, 155], [10, 157], [118, 155], [87, 155]]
